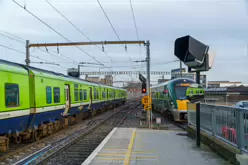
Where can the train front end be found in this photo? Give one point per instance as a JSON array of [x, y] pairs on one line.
[[181, 100]]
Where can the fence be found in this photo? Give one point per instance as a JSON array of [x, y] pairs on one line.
[[230, 103], [228, 124]]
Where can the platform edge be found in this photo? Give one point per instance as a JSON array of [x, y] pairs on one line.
[[99, 147]]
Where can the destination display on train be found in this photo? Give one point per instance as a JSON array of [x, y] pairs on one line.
[[183, 85]]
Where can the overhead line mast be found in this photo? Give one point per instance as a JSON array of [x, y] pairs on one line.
[[146, 44]]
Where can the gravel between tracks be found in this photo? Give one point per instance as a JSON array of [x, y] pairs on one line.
[[24, 150], [76, 151]]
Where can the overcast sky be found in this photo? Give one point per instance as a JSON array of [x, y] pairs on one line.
[[223, 25]]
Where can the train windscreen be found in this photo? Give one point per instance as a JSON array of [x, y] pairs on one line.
[[180, 90], [245, 104]]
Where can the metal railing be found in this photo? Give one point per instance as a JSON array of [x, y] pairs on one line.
[[228, 124]]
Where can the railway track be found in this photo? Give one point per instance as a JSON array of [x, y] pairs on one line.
[[75, 148], [21, 151]]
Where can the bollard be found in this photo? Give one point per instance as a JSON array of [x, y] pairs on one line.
[[198, 125]]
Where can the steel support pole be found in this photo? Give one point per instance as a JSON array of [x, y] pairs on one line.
[[27, 53], [198, 125], [149, 113], [181, 69], [79, 71], [198, 119]]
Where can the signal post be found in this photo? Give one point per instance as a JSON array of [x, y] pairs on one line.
[[146, 100], [197, 57]]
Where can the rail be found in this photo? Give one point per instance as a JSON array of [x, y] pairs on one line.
[[48, 152], [229, 124]]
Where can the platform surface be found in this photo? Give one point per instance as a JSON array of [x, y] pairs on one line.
[[151, 147]]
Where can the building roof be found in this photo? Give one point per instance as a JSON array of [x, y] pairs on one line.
[[226, 82]]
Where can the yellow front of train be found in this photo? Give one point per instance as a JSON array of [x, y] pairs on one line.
[[180, 112]]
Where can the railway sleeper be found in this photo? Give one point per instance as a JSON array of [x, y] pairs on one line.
[[48, 128]]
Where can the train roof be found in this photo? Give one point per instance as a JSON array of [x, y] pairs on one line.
[[8, 67], [173, 81], [23, 69]]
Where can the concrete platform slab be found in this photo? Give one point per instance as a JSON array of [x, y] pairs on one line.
[[151, 147]]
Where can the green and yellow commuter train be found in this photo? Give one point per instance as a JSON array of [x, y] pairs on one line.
[[36, 102], [169, 98], [195, 92]]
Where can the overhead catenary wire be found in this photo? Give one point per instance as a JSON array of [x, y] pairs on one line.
[[18, 51], [80, 31], [13, 49], [136, 28], [134, 20], [22, 41], [12, 38], [109, 20], [162, 63], [55, 30], [18, 39], [117, 35], [53, 54]]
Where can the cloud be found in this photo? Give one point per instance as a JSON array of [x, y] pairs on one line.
[[221, 24]]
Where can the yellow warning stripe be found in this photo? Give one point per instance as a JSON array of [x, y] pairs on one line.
[[124, 153], [130, 147], [131, 158]]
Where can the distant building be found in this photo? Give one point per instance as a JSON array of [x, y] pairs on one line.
[[92, 79], [218, 84], [175, 73], [226, 94], [108, 80], [162, 80]]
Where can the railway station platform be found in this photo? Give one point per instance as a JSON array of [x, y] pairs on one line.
[[151, 147]]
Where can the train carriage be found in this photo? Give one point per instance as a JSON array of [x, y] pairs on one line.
[[170, 99], [14, 99], [35, 102]]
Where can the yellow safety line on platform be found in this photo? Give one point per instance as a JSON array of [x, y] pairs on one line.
[[124, 153], [130, 147], [131, 158], [111, 154]]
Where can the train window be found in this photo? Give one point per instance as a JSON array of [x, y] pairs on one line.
[[48, 95], [56, 94], [76, 92], [85, 94], [12, 95], [81, 95], [95, 94], [103, 95], [65, 94]]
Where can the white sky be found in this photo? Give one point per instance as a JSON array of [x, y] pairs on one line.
[[223, 25]]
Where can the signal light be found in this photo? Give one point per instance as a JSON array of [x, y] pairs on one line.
[[143, 90]]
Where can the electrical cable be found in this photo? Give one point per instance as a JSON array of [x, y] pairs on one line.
[[80, 31], [55, 30]]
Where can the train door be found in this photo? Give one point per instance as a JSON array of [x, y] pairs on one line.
[[107, 94], [91, 99], [67, 99]]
